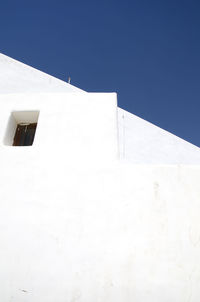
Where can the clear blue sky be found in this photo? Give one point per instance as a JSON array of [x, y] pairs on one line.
[[148, 51]]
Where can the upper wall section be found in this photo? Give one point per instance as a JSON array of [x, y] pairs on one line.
[[71, 126], [141, 142], [16, 77]]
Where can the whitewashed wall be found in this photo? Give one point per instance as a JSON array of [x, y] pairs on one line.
[[77, 227], [142, 142], [73, 125]]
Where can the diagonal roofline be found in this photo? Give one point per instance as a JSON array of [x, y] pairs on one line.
[[17, 77]]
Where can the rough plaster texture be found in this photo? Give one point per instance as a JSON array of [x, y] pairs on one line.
[[97, 233], [79, 224]]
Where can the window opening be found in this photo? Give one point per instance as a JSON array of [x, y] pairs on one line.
[[21, 128], [24, 135]]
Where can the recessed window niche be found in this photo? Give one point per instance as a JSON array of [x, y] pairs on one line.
[[21, 128]]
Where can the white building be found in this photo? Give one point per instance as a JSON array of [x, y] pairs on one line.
[[100, 206]]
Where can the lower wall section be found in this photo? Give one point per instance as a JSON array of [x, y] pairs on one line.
[[111, 233]]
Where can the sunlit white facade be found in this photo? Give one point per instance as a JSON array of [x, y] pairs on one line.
[[103, 206]]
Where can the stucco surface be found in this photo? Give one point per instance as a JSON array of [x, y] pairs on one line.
[[97, 232], [81, 220], [142, 142]]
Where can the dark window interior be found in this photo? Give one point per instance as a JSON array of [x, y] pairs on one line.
[[24, 135]]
